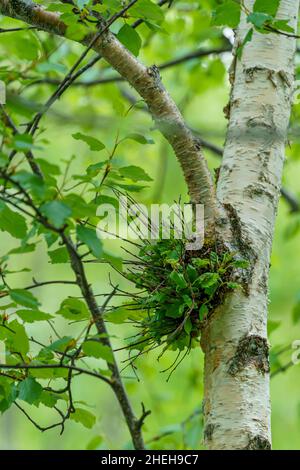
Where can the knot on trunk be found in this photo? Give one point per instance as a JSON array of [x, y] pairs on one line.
[[251, 350], [258, 442]]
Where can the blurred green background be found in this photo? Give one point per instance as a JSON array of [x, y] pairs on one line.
[[200, 88]]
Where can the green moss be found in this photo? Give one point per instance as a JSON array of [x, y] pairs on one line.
[[177, 292]]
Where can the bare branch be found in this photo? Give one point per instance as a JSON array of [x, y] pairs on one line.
[[56, 366], [118, 78]]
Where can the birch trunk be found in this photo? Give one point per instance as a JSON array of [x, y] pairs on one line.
[[237, 400]]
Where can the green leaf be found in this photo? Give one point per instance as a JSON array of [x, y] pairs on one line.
[[148, 10], [233, 285], [104, 199], [49, 399], [209, 279], [84, 417], [114, 261], [258, 19], [23, 249], [175, 310], [12, 222], [3, 159], [29, 390], [128, 187], [188, 301], [59, 256], [192, 273], [93, 170], [8, 394], [75, 31], [58, 7], [188, 326], [30, 316], [74, 309], [62, 344], [270, 6], [31, 182], [283, 25], [16, 339], [23, 297], [135, 173], [90, 238], [80, 208], [94, 144], [48, 167], [25, 47], [141, 139], [130, 38], [227, 14], [200, 263], [203, 311], [7, 306], [94, 443], [247, 38], [118, 315], [56, 212], [94, 348], [178, 279], [48, 373], [22, 142], [50, 238], [81, 3], [113, 5], [241, 263]]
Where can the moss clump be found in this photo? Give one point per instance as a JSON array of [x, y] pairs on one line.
[[178, 291]]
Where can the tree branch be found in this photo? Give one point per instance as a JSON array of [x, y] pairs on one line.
[[97, 315], [146, 81], [117, 78], [291, 199], [56, 366]]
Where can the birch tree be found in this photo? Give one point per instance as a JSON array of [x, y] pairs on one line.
[[237, 403], [240, 212]]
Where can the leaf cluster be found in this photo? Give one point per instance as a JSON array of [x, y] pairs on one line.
[[178, 291]]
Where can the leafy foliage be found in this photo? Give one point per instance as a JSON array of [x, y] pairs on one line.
[[177, 292], [262, 18], [50, 329]]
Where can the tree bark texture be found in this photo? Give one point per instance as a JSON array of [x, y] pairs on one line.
[[237, 400]]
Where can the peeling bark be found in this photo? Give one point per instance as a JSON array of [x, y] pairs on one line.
[[237, 403]]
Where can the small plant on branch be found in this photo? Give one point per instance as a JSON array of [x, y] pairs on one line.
[[178, 290]]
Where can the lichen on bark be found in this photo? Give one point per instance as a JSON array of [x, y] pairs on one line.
[[252, 350]]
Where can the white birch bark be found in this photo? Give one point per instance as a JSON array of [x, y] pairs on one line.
[[237, 401]]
